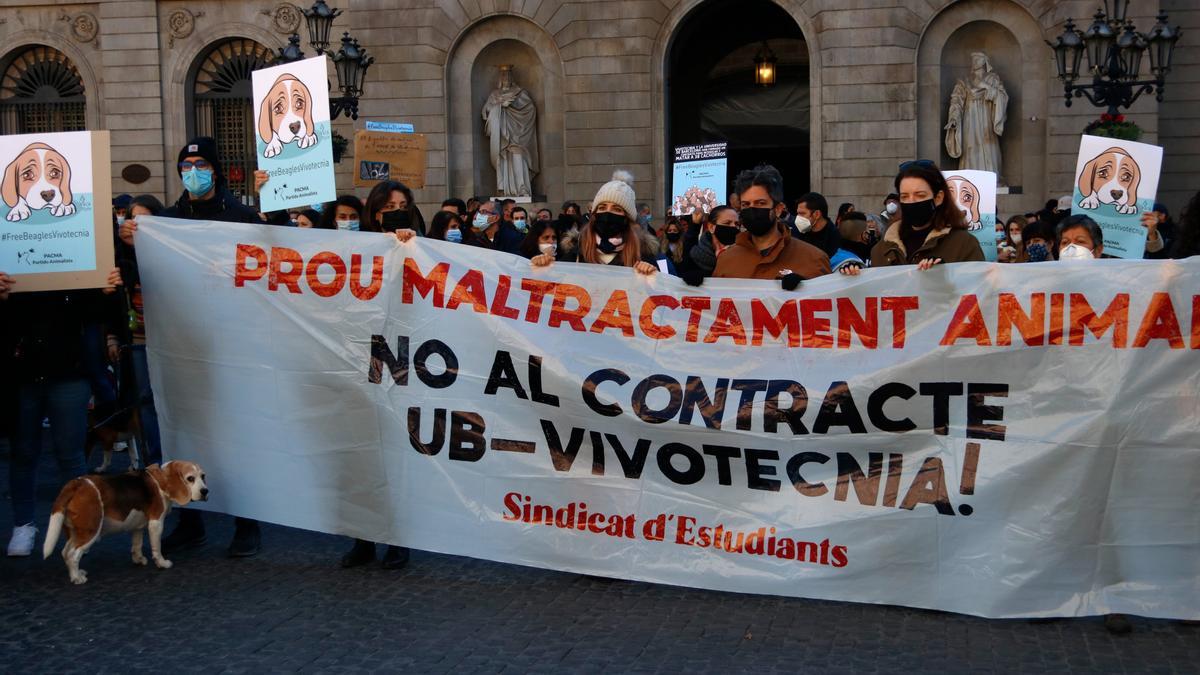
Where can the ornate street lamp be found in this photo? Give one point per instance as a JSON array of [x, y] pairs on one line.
[[350, 62], [764, 66], [1114, 51], [320, 19]]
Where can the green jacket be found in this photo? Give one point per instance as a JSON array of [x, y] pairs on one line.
[[948, 244]]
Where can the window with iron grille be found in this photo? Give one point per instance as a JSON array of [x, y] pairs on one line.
[[222, 107], [40, 91]]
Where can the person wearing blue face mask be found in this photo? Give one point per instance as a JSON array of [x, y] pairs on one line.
[[343, 214], [490, 231], [520, 219], [447, 226], [207, 196]]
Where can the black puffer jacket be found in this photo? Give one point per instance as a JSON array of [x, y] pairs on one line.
[[224, 207], [45, 332]]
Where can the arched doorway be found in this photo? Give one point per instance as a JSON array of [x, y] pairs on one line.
[[711, 95], [40, 91], [221, 105]]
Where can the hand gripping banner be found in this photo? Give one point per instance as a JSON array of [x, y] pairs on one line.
[[997, 440]]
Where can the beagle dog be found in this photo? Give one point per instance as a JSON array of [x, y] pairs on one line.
[[93, 505], [285, 116], [39, 178], [1111, 177], [966, 195]]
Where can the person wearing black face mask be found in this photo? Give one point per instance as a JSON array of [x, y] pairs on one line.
[[609, 238], [931, 228], [766, 250], [719, 232], [390, 208]]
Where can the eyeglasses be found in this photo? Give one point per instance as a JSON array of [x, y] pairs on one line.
[[921, 163], [201, 164]]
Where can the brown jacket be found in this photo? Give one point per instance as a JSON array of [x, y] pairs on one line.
[[948, 244], [743, 260]]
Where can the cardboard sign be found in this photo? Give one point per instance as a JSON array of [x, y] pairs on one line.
[[292, 134], [382, 155], [699, 178], [975, 194], [1115, 182], [56, 230]]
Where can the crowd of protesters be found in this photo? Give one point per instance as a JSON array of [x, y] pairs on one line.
[[59, 345]]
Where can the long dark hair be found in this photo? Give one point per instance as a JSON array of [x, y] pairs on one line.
[[378, 198], [329, 214], [529, 245], [148, 202], [441, 223], [946, 215]]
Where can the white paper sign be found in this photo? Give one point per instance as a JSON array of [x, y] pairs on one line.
[[1115, 182], [293, 136], [975, 194]]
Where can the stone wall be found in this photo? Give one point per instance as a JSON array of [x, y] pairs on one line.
[[877, 82]]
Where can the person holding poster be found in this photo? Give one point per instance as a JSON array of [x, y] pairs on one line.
[[49, 332], [206, 195], [932, 229]]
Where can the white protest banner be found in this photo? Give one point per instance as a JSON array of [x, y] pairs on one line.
[[996, 440], [975, 194], [1115, 182], [56, 230], [292, 134]]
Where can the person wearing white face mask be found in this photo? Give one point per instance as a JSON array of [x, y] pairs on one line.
[[343, 214], [541, 239], [812, 224], [491, 231], [1079, 238], [891, 208]]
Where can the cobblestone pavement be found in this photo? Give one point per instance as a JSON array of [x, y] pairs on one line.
[[293, 609]]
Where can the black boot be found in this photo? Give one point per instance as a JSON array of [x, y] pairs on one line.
[[188, 533], [395, 558], [362, 553], [245, 538]]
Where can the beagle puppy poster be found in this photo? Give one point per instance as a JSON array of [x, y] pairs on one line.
[[1115, 182], [292, 134], [49, 184], [975, 194]]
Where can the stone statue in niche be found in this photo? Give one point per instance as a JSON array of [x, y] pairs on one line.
[[510, 122], [978, 110]]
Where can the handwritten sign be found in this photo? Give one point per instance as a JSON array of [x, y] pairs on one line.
[[382, 155]]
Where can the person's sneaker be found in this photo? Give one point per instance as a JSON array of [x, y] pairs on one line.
[[188, 533], [21, 544], [1118, 624], [395, 558], [246, 539], [362, 553]]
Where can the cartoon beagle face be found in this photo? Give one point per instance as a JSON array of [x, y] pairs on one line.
[[185, 482], [39, 178], [966, 195], [285, 116], [1112, 177]]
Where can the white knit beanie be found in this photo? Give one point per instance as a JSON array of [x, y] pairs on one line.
[[619, 191]]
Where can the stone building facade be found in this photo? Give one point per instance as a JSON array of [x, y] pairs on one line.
[[862, 85]]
